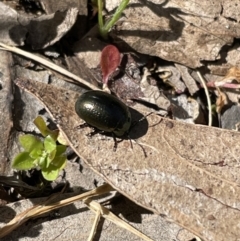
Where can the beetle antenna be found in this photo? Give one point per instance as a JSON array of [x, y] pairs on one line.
[[136, 122], [131, 141], [144, 152]]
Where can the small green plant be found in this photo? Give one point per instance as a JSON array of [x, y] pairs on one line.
[[105, 27], [43, 154]]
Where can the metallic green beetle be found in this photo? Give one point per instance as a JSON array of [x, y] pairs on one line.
[[104, 112]]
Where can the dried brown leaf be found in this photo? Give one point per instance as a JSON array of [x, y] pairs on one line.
[[152, 94], [231, 9], [12, 32], [47, 30], [185, 32], [52, 6], [187, 79], [232, 75], [6, 98], [221, 101], [189, 175], [171, 75], [39, 32]]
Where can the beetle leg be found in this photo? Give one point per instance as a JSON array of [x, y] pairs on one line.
[[115, 141], [82, 126], [92, 133]]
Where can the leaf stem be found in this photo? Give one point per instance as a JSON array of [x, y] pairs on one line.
[[100, 16], [104, 28], [116, 15]]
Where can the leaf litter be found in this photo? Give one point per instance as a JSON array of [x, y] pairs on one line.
[[190, 35]]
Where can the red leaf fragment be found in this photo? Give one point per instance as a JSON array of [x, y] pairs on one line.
[[110, 60]]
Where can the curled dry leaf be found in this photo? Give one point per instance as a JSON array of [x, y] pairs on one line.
[[187, 79], [230, 85], [232, 75], [171, 75], [221, 101], [190, 174]]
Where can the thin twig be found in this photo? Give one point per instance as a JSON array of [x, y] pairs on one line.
[[95, 225], [46, 207], [208, 98], [47, 64], [108, 215]]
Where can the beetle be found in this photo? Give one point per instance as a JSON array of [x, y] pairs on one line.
[[104, 112]]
